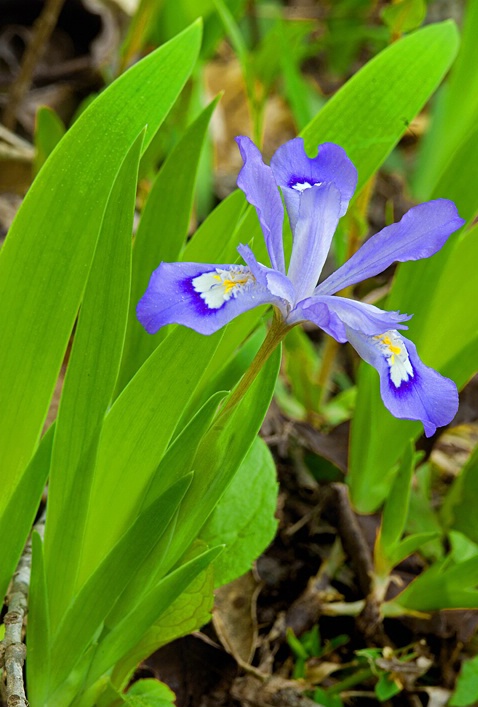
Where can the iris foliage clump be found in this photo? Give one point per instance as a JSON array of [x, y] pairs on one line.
[[159, 488]]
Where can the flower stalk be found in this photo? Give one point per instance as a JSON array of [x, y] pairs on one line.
[[274, 336]]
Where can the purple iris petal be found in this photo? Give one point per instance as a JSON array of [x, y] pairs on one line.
[[202, 297], [257, 182], [319, 211], [316, 192], [277, 283], [409, 389], [336, 315], [420, 233], [294, 172]]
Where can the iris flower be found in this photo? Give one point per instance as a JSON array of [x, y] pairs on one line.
[[316, 192]]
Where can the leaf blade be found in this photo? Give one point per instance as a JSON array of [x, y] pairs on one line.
[[88, 386], [52, 245], [370, 113]]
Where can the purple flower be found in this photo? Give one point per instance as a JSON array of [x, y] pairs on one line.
[[316, 193]]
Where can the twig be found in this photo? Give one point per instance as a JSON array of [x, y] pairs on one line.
[[16, 142], [14, 148], [42, 30], [13, 650], [352, 537], [369, 622]]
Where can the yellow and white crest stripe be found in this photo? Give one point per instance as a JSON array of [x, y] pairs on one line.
[[218, 286], [393, 348]]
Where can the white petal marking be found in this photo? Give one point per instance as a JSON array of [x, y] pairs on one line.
[[302, 186], [218, 286], [391, 346]]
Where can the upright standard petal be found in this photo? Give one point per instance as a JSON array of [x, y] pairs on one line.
[[202, 297], [337, 315], [257, 182], [319, 213], [420, 233], [295, 172], [409, 389]]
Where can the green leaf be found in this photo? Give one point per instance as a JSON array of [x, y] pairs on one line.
[[17, 518], [325, 700], [466, 690], [463, 574], [370, 113], [302, 366], [422, 517], [458, 510], [442, 586], [181, 453], [396, 506], [191, 610], [243, 520], [149, 693], [162, 233], [90, 607], [462, 98], [457, 181], [386, 687], [132, 628], [49, 130], [228, 359], [219, 456], [216, 460], [404, 15], [38, 634], [49, 249], [410, 545], [216, 233], [234, 34], [136, 433], [441, 339], [454, 115], [280, 55], [88, 387], [178, 459], [462, 548], [234, 368]]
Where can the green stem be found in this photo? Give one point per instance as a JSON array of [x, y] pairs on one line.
[[274, 336], [350, 681]]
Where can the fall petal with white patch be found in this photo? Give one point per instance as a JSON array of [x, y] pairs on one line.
[[219, 286]]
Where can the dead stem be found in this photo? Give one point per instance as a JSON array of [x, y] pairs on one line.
[[13, 649], [369, 621], [42, 30]]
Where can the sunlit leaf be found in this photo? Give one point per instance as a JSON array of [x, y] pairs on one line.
[[48, 252], [243, 520]]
